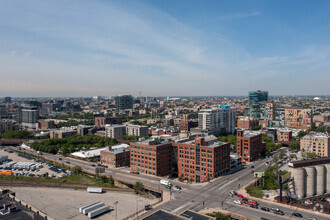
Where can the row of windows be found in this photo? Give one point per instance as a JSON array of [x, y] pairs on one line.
[[143, 157], [142, 152]]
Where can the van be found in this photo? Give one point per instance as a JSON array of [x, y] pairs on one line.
[[165, 182]]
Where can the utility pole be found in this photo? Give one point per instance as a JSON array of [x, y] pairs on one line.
[[203, 202], [115, 203], [137, 210]]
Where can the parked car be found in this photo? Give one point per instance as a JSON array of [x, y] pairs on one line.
[[59, 158], [168, 186], [253, 206], [275, 209], [147, 207], [245, 200], [237, 202], [253, 202], [278, 212], [177, 188], [239, 195], [93, 165], [312, 218], [265, 209], [68, 162], [252, 167], [262, 218], [296, 214]]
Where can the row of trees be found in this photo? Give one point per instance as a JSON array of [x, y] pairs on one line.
[[17, 135], [270, 145], [78, 116], [72, 144]]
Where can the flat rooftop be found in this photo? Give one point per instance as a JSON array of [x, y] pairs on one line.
[[196, 216], [164, 215], [304, 163]]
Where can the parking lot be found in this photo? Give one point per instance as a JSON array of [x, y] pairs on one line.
[[21, 165], [65, 203]]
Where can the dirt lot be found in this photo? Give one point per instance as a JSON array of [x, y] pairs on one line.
[[65, 203]]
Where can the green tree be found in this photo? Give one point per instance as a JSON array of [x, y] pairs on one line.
[[181, 178], [275, 159], [111, 181], [294, 146], [309, 155], [220, 216], [320, 129], [282, 153], [256, 127], [76, 169], [138, 187], [17, 135], [255, 191]]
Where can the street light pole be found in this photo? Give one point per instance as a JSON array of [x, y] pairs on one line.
[[137, 210], [115, 203]]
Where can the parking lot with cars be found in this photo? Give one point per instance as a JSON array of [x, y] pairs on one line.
[[21, 165]]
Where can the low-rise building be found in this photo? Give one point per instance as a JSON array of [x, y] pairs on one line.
[[116, 157], [63, 133], [284, 135], [244, 122], [249, 146]]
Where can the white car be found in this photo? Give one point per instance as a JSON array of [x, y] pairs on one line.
[[232, 192], [238, 202]]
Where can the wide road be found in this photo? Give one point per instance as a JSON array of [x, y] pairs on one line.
[[192, 196]]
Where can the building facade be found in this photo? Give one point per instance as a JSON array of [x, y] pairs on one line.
[[249, 146], [5, 125], [318, 143], [101, 121], [45, 125], [113, 158], [152, 156], [28, 116], [244, 122], [63, 133], [137, 130], [124, 102], [115, 131], [284, 135], [298, 118], [203, 159]]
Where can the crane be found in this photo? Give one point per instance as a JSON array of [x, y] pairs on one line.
[[309, 147]]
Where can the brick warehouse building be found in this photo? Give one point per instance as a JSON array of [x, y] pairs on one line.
[[249, 146], [153, 156], [113, 158], [203, 159]]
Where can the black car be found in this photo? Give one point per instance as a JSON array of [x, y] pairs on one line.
[[297, 214], [168, 187], [278, 212], [252, 167], [262, 218], [68, 162], [147, 207], [93, 165], [265, 209], [254, 206], [59, 158]]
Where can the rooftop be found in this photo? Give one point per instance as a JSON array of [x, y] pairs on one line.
[[163, 215]]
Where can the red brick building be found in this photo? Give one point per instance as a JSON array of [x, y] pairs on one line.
[[151, 157], [247, 122], [45, 125], [102, 121], [284, 135], [186, 124], [249, 146], [203, 159], [113, 158]]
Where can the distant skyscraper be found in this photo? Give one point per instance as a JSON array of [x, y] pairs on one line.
[[124, 102], [7, 100]]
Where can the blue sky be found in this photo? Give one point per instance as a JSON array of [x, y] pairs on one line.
[[164, 47]]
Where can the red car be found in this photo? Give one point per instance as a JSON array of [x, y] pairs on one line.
[[253, 202], [245, 200], [239, 195]]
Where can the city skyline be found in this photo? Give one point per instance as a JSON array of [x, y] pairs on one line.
[[185, 48]]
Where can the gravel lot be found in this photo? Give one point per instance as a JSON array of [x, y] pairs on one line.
[[65, 203]]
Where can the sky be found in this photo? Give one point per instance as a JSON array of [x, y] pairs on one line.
[[164, 47]]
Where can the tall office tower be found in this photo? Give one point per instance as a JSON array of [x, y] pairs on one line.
[[256, 98], [124, 102], [28, 116], [7, 100]]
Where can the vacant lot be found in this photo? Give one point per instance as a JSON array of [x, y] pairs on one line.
[[65, 203]]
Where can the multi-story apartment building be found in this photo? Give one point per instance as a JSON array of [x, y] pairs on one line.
[[101, 121], [45, 125], [203, 159], [244, 122], [124, 102], [115, 131], [5, 125], [28, 116], [249, 146], [186, 123], [152, 156], [284, 135], [298, 118], [318, 143], [217, 120], [137, 130], [113, 158]]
